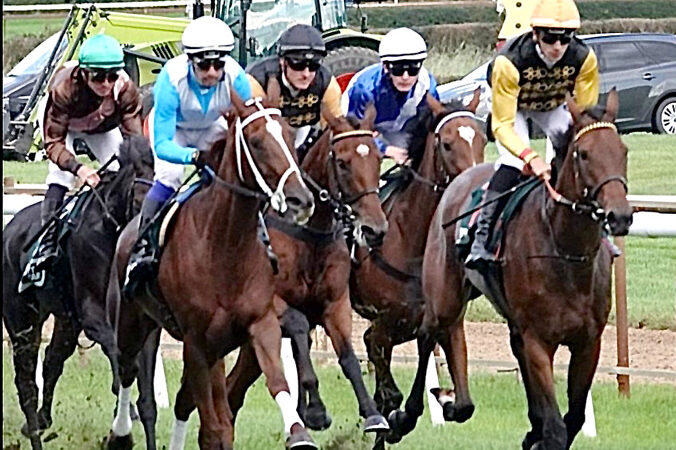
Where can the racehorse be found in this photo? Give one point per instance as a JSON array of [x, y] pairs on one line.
[[314, 265], [384, 284], [76, 293], [552, 284], [215, 283]]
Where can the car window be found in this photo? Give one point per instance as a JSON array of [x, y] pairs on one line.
[[36, 60], [659, 52], [616, 56]]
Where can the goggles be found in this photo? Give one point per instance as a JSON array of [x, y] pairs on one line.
[[398, 68], [550, 38], [299, 64], [205, 64], [99, 76]]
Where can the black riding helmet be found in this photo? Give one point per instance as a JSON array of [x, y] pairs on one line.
[[301, 42]]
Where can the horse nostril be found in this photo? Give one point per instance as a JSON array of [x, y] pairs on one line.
[[294, 203]]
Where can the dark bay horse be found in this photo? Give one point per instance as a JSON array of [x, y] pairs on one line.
[[552, 284], [314, 264], [76, 298], [215, 283], [384, 285]]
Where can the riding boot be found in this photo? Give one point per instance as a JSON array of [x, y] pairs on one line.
[[48, 245], [143, 261], [265, 239], [479, 253]]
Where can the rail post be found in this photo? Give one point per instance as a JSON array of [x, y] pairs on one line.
[[621, 319]]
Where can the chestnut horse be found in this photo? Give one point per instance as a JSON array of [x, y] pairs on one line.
[[215, 283], [384, 285], [76, 294], [314, 262], [552, 284]]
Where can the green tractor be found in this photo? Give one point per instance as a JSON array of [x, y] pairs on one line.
[[149, 41]]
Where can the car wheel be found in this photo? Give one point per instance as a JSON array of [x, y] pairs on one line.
[[344, 62], [665, 116]]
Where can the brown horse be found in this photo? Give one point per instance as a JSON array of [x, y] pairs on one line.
[[552, 284], [215, 283], [314, 264], [382, 285]]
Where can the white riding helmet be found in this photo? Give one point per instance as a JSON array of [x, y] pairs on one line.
[[402, 44], [207, 34]]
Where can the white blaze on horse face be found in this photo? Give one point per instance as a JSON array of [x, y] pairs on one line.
[[363, 150], [468, 133]]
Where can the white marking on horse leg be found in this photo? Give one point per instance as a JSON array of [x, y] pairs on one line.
[[431, 382], [289, 414], [290, 369], [178, 432], [363, 150], [122, 421], [161, 393]]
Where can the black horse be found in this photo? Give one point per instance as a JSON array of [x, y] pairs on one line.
[[75, 290]]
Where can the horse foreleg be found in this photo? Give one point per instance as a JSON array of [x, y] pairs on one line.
[[147, 407], [337, 320], [219, 393], [241, 377], [312, 411], [535, 361], [379, 347], [403, 422], [266, 339], [452, 340], [583, 362], [25, 347], [60, 348]]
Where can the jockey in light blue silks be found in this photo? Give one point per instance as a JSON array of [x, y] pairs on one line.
[[191, 94], [397, 87]]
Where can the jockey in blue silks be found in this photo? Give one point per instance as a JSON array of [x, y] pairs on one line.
[[191, 95], [397, 86]]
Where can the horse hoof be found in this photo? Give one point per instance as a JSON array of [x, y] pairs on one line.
[[317, 421], [119, 442], [300, 440], [375, 423], [38, 432], [394, 419], [454, 414]]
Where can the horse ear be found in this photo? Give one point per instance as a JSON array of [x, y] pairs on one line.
[[612, 105], [236, 101], [369, 120], [575, 110], [474, 103], [330, 118], [436, 106], [274, 93]]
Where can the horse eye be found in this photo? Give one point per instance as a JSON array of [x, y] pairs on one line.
[[256, 142], [447, 146], [342, 165], [584, 155]]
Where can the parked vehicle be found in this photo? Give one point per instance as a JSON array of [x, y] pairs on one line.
[[642, 66]]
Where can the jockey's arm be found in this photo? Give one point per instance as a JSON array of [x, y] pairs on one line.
[[505, 85], [586, 89], [164, 123], [241, 83], [357, 99], [130, 106], [433, 87], [331, 100], [55, 131]]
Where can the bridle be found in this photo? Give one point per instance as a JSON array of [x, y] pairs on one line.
[[588, 205], [277, 197]]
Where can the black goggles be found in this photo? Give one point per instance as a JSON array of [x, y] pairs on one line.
[[99, 76], [205, 64], [300, 64], [551, 38], [397, 69]]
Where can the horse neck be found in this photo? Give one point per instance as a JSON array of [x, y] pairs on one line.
[[316, 165], [574, 234], [226, 218], [414, 207]]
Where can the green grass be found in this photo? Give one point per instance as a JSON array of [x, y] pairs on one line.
[[83, 413], [22, 25]]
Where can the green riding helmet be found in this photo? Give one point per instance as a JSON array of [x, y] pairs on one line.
[[101, 52]]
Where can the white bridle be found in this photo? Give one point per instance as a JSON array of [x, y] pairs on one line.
[[277, 198]]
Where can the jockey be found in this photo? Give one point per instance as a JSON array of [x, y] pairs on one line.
[[530, 78], [191, 95], [91, 100], [397, 87], [307, 86]]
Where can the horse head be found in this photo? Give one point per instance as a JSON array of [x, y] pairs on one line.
[[597, 159], [353, 165], [265, 159], [457, 137]]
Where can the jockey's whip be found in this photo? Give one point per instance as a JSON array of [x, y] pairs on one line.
[[503, 195], [56, 214]]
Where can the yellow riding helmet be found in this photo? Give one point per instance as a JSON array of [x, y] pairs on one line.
[[556, 14]]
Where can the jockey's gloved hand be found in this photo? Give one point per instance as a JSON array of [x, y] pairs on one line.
[[200, 158]]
